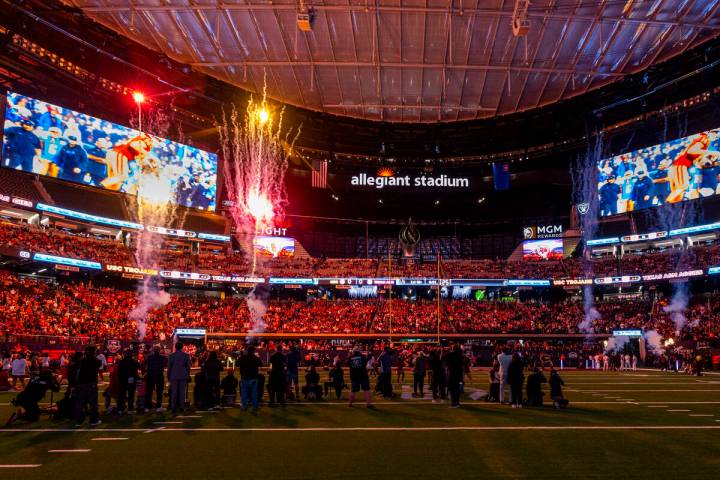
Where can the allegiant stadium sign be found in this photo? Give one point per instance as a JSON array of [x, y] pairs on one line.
[[424, 181]]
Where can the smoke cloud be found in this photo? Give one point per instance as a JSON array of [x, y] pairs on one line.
[[678, 306], [616, 344], [654, 341], [257, 302], [148, 299], [584, 175]]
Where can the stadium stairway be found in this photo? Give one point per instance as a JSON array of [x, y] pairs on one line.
[[43, 193], [301, 253]]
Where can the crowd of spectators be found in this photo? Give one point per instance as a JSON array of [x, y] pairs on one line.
[[32, 306], [63, 243], [175, 254]]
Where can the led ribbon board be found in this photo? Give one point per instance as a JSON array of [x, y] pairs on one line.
[[88, 217], [74, 262], [627, 333]]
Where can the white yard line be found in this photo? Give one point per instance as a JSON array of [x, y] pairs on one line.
[[75, 450], [659, 390], [108, 439], [26, 465]]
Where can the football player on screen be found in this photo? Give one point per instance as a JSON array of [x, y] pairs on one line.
[[679, 172], [120, 158]]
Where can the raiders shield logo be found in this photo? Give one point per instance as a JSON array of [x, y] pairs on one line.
[[583, 208], [113, 345]]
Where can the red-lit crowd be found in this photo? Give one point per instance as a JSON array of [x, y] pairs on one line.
[[61, 243], [177, 255], [34, 307]]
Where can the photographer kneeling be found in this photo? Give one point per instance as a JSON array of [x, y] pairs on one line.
[[28, 400]]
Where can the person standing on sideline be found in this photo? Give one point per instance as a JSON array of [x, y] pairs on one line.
[[439, 381], [634, 362], [19, 371], [103, 364], [420, 364], [128, 377], [359, 378], [455, 361], [249, 365], [155, 364], [179, 364], [278, 361], [556, 393], [504, 360], [293, 361], [212, 368], [515, 378], [386, 360], [86, 388]]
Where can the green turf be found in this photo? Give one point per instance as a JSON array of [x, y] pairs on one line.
[[510, 443]]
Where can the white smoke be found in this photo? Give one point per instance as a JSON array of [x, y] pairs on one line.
[[591, 313], [584, 174], [153, 205], [616, 344], [149, 299], [677, 307], [654, 341], [257, 306]]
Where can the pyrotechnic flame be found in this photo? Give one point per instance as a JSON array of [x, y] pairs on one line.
[[255, 151]]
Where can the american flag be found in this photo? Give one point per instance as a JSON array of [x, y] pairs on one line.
[[319, 174]]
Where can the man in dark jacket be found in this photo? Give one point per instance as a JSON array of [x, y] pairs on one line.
[[278, 362], [155, 364], [21, 146], [249, 365], [86, 391], [128, 377], [455, 362], [359, 379], [437, 383], [534, 388], [212, 369], [386, 360], [72, 160], [556, 393], [229, 387], [419, 366], [515, 378], [178, 373]]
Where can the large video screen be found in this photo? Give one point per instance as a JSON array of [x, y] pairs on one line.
[[49, 140], [671, 172], [546, 249], [274, 246]]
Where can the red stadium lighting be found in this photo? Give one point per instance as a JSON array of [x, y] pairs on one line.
[[139, 97]]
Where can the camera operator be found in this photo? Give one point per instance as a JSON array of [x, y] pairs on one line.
[[28, 400]]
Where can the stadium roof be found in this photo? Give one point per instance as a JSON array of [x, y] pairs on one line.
[[415, 60]]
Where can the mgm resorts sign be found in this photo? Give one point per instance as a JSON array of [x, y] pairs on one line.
[[542, 231]]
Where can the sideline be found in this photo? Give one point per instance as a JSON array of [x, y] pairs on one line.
[[377, 429]]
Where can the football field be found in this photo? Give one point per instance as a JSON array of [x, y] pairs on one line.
[[627, 425]]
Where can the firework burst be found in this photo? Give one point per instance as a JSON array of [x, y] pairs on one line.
[[255, 150]]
